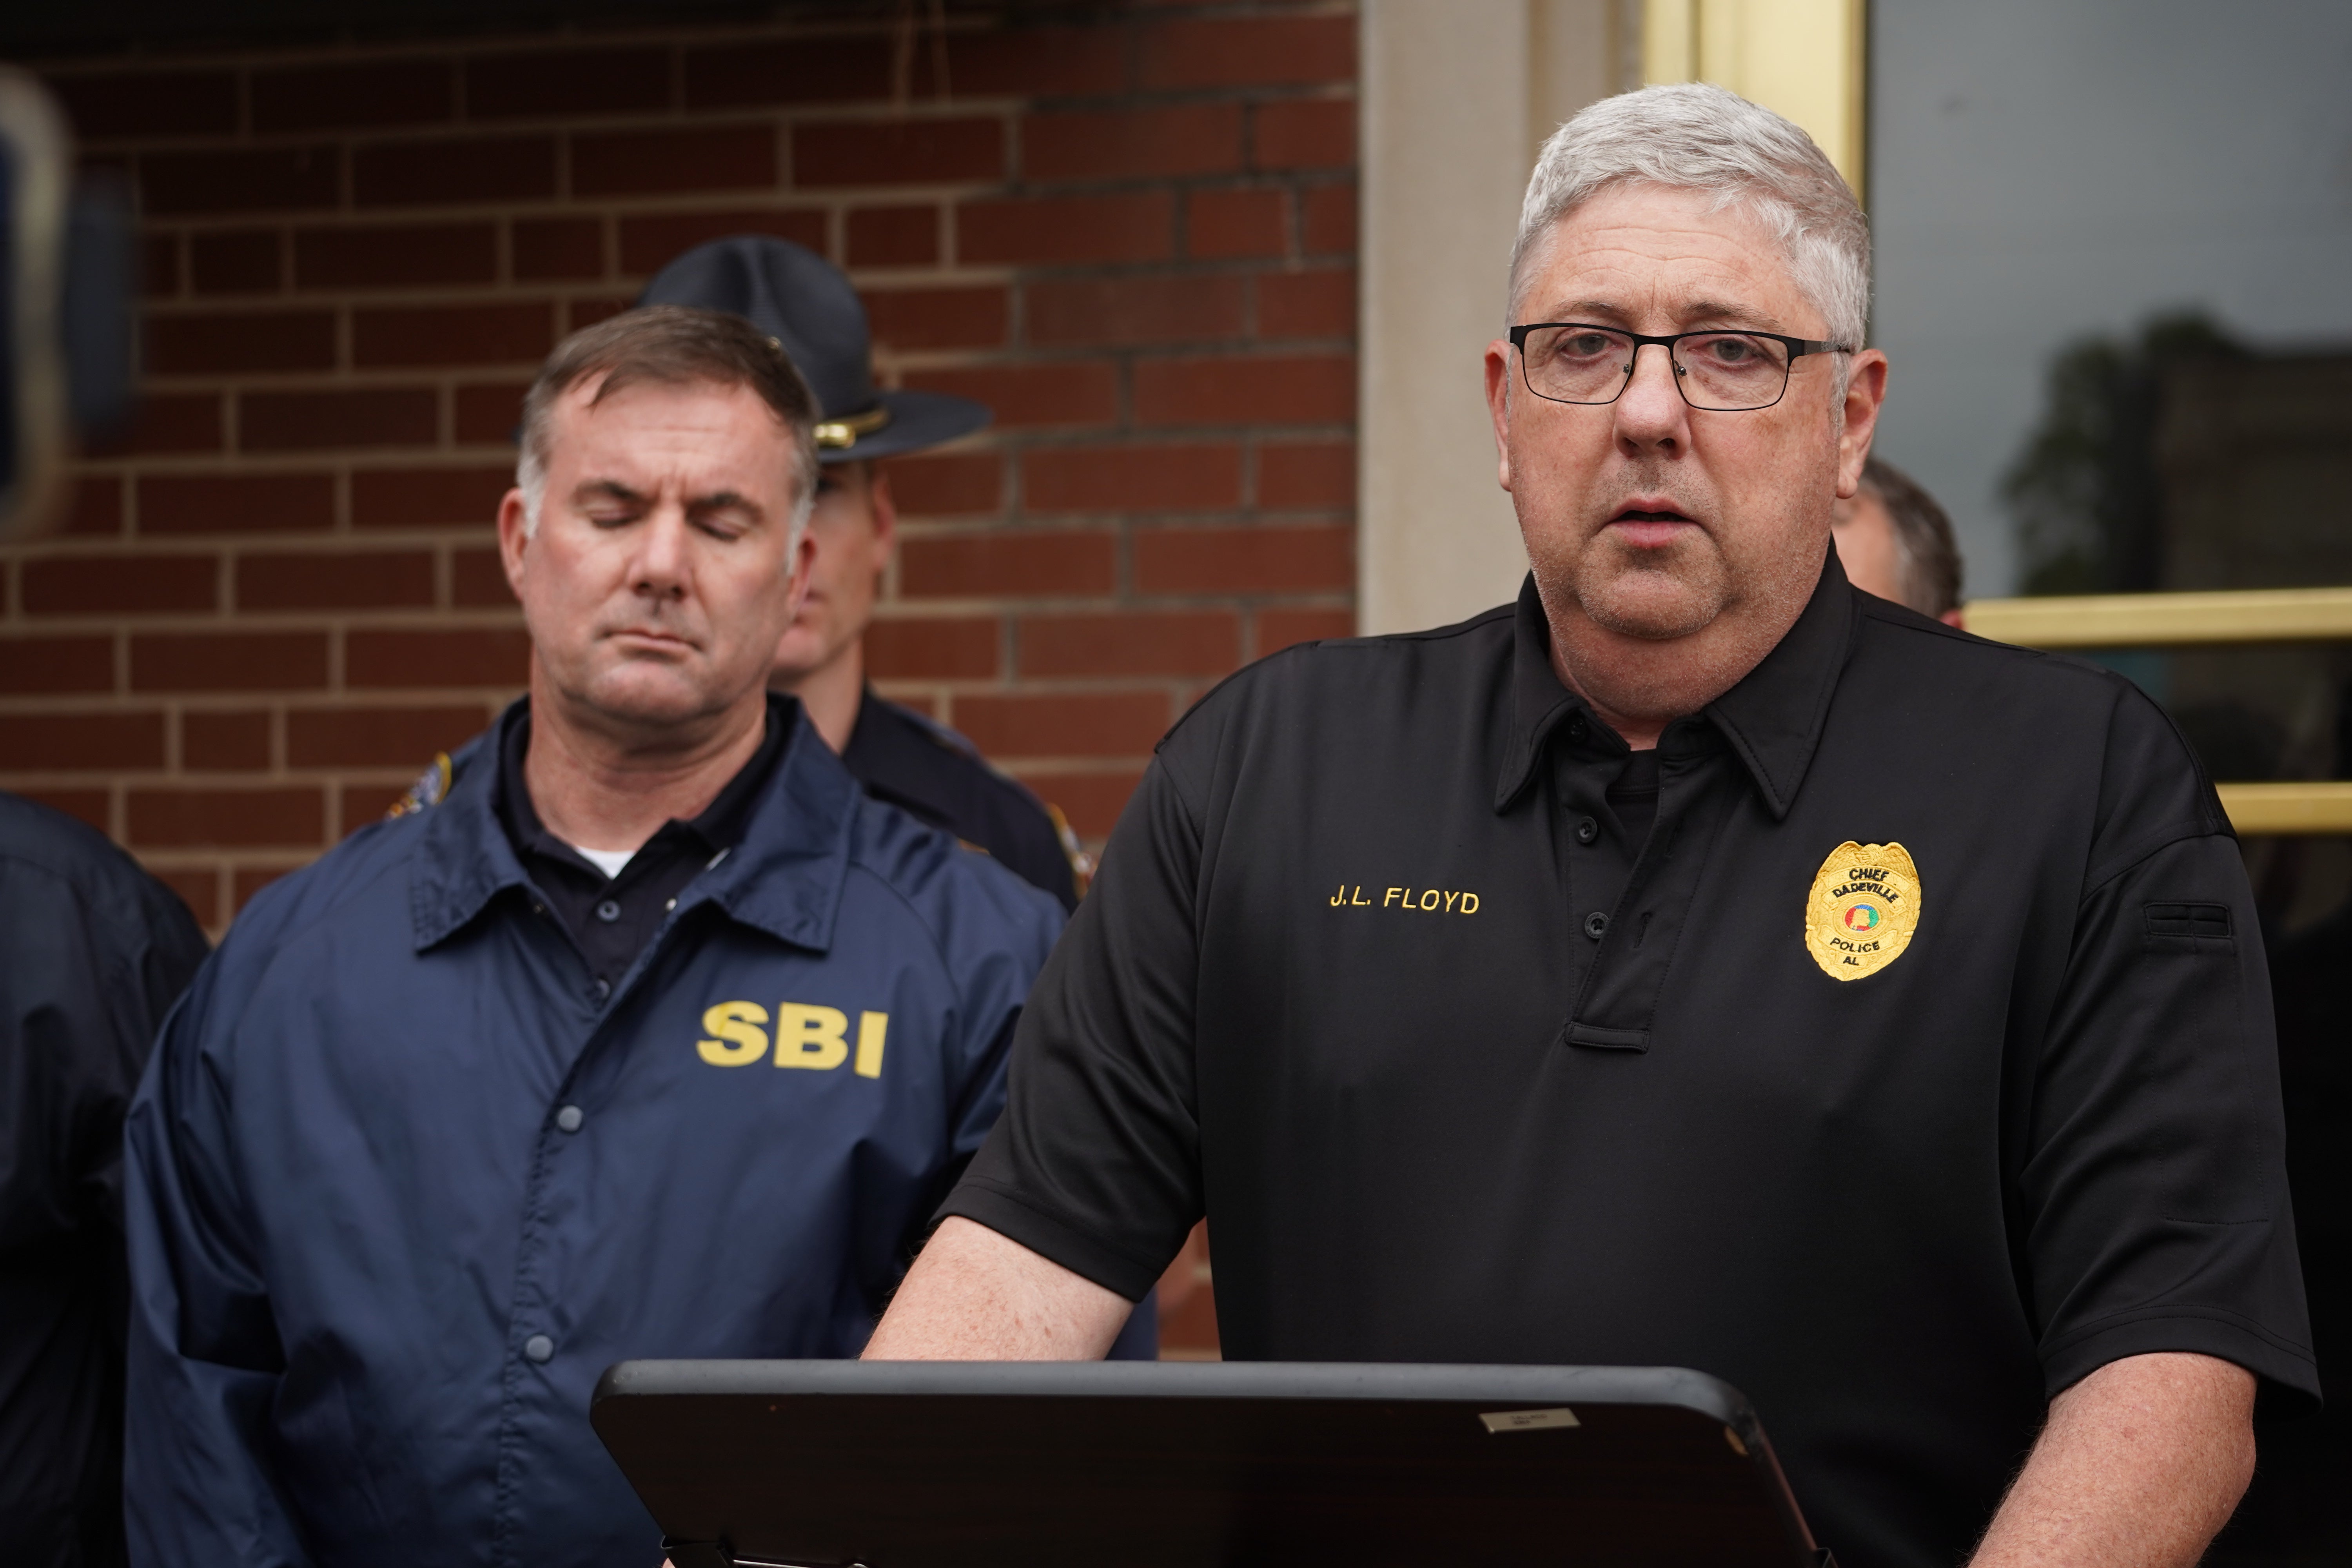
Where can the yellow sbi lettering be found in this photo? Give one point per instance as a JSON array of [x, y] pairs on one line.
[[809, 1036], [740, 1037], [871, 1027]]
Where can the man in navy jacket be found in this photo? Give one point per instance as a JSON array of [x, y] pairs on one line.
[[655, 1037]]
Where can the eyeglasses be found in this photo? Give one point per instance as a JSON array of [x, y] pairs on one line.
[[1574, 362]]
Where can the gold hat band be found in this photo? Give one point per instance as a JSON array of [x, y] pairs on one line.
[[845, 431]]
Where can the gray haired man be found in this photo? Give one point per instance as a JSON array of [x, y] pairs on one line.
[[1697, 962]]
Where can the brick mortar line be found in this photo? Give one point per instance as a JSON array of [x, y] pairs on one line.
[[354, 212], [545, 41], [1019, 357], [786, 197], [94, 546], [927, 277], [908, 277], [177, 708], [469, 373], [1007, 108], [275, 621]]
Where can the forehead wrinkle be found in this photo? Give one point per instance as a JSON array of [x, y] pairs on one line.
[[1695, 315], [1714, 313], [1675, 261]]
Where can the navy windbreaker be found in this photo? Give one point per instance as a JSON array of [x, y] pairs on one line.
[[402, 1184]]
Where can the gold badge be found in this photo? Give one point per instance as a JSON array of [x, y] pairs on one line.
[[1864, 908]]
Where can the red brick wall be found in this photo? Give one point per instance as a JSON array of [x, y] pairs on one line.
[[1131, 229]]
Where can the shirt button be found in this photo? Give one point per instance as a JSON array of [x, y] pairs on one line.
[[608, 911], [602, 989], [539, 1347], [570, 1119], [1596, 925], [1575, 727], [1587, 830]]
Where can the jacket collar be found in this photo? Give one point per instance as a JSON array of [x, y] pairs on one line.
[[785, 877], [1772, 719]]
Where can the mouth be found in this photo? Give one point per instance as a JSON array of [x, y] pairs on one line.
[[641, 639], [1650, 526]]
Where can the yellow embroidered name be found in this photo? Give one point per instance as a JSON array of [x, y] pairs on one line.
[[1408, 901], [806, 1037]]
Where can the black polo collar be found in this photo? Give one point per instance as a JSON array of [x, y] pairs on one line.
[[719, 826], [1772, 719], [784, 876]]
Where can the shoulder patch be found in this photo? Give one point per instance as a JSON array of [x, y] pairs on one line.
[[431, 788], [1082, 865]]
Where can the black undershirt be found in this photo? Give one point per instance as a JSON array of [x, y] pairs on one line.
[[611, 918], [1634, 797]]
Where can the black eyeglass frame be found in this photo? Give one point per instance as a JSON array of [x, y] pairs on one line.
[[1798, 349]]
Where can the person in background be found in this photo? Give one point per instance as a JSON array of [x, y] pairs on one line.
[[803, 301], [1895, 541], [93, 953], [655, 1037]]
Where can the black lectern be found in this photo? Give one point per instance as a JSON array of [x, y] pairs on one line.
[[1169, 1465]]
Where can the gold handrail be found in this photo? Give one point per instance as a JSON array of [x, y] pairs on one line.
[[2172, 620], [2320, 807], [2148, 620]]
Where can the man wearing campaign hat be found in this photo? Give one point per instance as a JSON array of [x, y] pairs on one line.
[[803, 301]]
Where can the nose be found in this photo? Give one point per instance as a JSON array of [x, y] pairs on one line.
[[660, 570], [1651, 414]]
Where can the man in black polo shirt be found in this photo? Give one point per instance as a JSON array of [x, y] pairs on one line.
[[1698, 963]]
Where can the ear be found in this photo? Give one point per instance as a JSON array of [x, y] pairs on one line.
[[884, 507], [514, 539], [1498, 406], [1865, 391], [796, 586]]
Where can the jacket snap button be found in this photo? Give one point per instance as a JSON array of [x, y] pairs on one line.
[[608, 911], [1596, 925], [570, 1119], [1587, 831], [539, 1347]]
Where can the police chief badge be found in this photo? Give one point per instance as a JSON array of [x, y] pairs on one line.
[[1864, 908]]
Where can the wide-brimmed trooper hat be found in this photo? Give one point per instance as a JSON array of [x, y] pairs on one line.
[[802, 300]]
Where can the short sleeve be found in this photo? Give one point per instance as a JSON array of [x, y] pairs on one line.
[[2153, 1184], [1095, 1164]]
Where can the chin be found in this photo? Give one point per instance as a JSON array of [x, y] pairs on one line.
[[651, 699], [797, 659], [1652, 606]]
